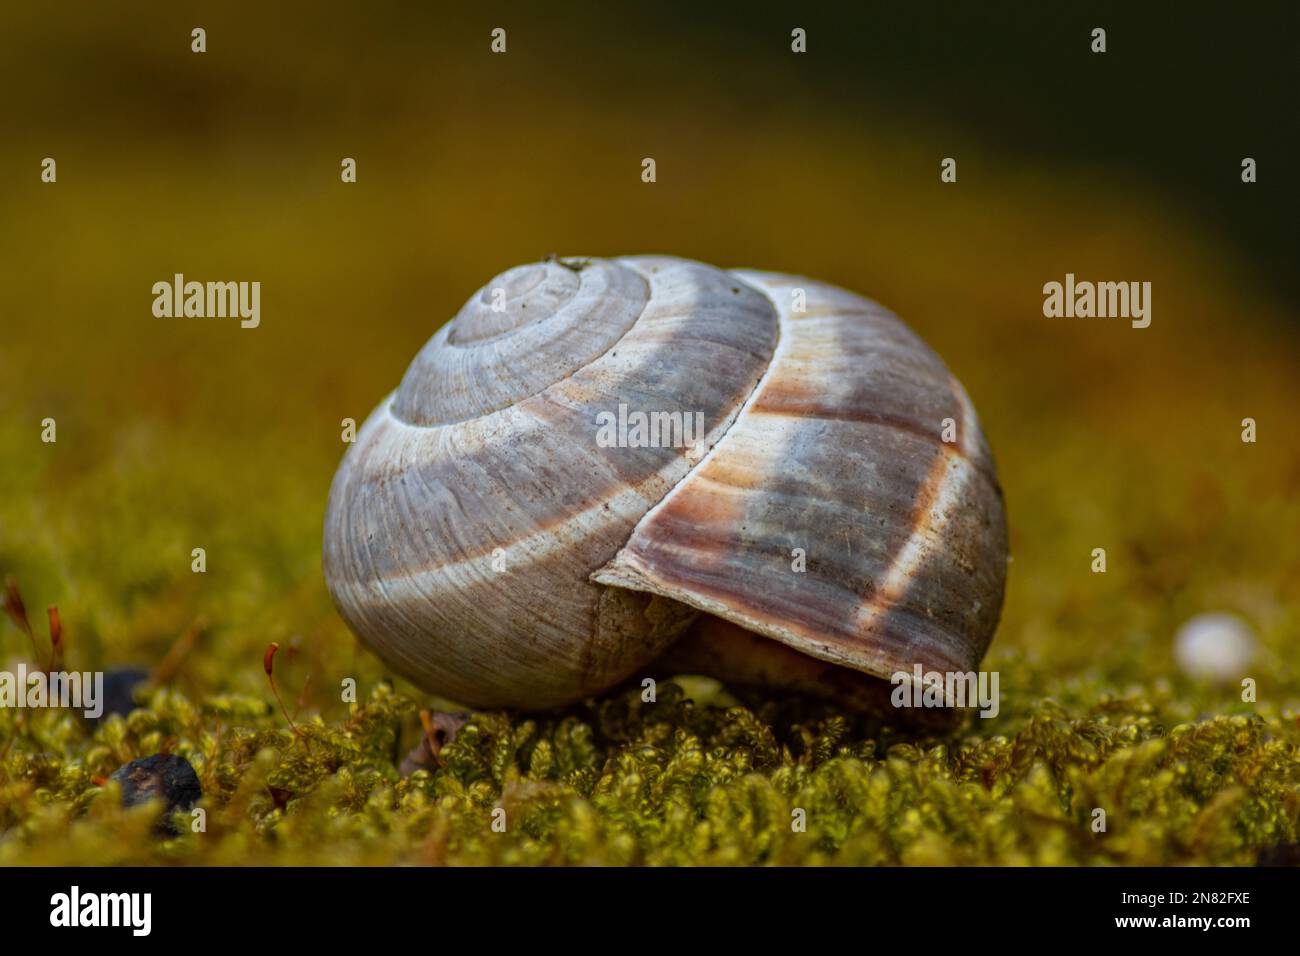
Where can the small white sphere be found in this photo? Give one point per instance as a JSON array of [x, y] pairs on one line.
[[1217, 647]]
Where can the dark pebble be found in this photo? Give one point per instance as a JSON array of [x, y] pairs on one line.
[[165, 777]]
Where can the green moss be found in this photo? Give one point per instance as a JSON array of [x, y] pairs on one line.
[[674, 782]]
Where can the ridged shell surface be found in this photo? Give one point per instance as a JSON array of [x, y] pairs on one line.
[[486, 544]]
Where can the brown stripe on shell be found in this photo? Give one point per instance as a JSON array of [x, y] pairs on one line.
[[956, 582]]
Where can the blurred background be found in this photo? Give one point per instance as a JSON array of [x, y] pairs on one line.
[[183, 433]]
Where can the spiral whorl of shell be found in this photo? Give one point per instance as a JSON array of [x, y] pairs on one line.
[[464, 524], [527, 329], [485, 542]]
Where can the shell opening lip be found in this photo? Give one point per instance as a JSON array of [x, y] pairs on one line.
[[619, 573]]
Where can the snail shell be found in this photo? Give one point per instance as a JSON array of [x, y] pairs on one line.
[[483, 542]]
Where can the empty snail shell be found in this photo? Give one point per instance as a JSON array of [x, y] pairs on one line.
[[487, 544]]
